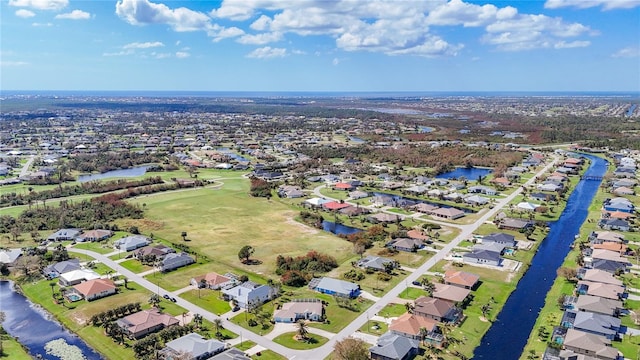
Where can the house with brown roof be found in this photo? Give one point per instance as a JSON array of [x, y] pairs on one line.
[[597, 275], [452, 293], [94, 235], [410, 325], [607, 291], [94, 289], [448, 213], [595, 346], [145, 322], [213, 281], [437, 309], [461, 279]]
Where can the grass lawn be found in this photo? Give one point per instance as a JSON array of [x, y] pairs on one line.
[[103, 247], [135, 266], [376, 328], [268, 355], [392, 310], [412, 293], [13, 350], [243, 318], [208, 299], [245, 345], [220, 222], [313, 341]]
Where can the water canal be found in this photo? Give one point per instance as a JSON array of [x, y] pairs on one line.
[[33, 327], [338, 229], [509, 333], [130, 172]]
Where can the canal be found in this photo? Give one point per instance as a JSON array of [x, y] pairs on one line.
[[33, 327], [509, 333]]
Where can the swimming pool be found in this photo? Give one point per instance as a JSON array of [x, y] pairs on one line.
[[74, 297]]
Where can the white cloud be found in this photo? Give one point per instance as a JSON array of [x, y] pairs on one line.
[[262, 23], [142, 12], [584, 4], [40, 4], [457, 12], [572, 44], [41, 24], [260, 39], [335, 61], [267, 52], [219, 33], [628, 52], [25, 13], [158, 55], [182, 54], [144, 45], [75, 15], [119, 53], [13, 63]]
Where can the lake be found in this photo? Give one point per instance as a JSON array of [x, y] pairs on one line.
[[509, 333], [33, 327], [471, 173], [120, 173], [339, 229]]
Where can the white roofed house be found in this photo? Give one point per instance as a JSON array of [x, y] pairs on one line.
[[77, 276], [307, 309], [193, 344], [64, 235], [249, 294], [132, 242]]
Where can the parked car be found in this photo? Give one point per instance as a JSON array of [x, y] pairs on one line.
[[173, 299], [166, 296]]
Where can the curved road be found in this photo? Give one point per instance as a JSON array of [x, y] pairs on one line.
[[324, 351]]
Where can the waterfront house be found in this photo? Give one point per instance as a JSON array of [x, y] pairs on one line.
[[614, 224], [437, 309], [482, 257], [593, 346], [514, 224], [598, 324], [599, 276], [145, 322], [307, 309], [598, 305], [327, 285], [77, 276], [454, 294], [94, 289], [462, 279], [500, 238], [54, 270], [9, 256], [417, 327], [607, 291], [391, 346]]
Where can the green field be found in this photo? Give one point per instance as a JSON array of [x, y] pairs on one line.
[[312, 341], [12, 349]]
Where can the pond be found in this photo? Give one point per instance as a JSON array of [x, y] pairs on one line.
[[356, 140], [339, 229], [33, 327], [120, 173], [509, 333], [471, 173], [232, 155], [425, 129]]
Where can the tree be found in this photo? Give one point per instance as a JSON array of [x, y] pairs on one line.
[[217, 324], [409, 307], [302, 329], [245, 253], [568, 273], [184, 236], [154, 300], [351, 349], [427, 285], [485, 310], [2, 319], [197, 319]]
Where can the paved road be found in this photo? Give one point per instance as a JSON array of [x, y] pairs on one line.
[[27, 165], [323, 351]]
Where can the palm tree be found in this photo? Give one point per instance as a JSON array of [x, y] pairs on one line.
[[302, 329], [197, 319], [217, 324], [52, 284], [154, 300], [485, 309], [184, 235], [445, 329], [427, 285], [409, 307]]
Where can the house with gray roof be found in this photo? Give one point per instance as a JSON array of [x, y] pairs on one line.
[[327, 285], [598, 324], [9, 256], [482, 257], [231, 354], [595, 346], [598, 305], [391, 346], [249, 294], [195, 345], [173, 261], [307, 309], [132, 242], [54, 270], [376, 263], [64, 235]]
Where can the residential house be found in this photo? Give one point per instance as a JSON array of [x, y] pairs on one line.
[[623, 190], [291, 192], [619, 204], [599, 237], [454, 294], [405, 244], [383, 218], [308, 309], [540, 196], [598, 324], [231, 354], [437, 309], [213, 281], [606, 260], [95, 289], [599, 276], [158, 251], [94, 235], [355, 195], [132, 242], [77, 276], [595, 346], [327, 285], [424, 208], [614, 224], [598, 305], [481, 189], [54, 270], [145, 322], [448, 213], [315, 202], [376, 263], [514, 224], [417, 327], [391, 346], [482, 257], [335, 205], [64, 235], [607, 291], [9, 256], [193, 344], [249, 294], [476, 200], [173, 261], [462, 279], [500, 238]]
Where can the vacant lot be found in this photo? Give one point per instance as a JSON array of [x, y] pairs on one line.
[[219, 222]]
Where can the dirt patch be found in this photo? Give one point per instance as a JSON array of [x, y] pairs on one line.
[[79, 319], [304, 228], [142, 224]]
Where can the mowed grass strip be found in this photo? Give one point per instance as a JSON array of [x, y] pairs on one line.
[[219, 222]]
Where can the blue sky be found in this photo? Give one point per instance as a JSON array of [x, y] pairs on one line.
[[320, 45]]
